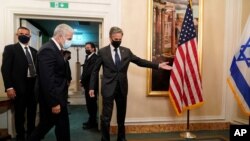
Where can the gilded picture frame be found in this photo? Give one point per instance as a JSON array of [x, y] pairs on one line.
[[164, 23]]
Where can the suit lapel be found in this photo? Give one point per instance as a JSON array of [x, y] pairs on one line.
[[108, 51], [88, 60], [55, 47], [122, 52], [21, 51], [33, 53], [59, 53], [123, 56]]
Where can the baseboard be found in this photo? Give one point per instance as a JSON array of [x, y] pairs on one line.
[[158, 128]]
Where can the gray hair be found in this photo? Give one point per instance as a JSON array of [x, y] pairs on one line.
[[62, 29], [114, 30]]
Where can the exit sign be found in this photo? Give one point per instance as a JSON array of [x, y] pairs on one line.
[[54, 4]]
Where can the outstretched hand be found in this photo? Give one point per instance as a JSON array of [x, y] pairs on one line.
[[165, 66], [91, 93]]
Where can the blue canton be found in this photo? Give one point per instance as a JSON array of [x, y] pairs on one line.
[[187, 30]]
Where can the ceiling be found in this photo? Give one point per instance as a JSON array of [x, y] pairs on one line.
[[80, 27]]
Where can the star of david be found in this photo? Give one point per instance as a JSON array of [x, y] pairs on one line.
[[245, 53]]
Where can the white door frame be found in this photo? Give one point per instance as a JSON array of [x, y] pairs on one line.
[[108, 13]]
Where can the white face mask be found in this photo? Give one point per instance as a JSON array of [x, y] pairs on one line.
[[67, 44]]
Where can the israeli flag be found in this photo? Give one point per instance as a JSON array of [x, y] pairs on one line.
[[239, 80]]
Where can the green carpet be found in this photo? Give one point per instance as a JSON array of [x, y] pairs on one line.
[[78, 115]]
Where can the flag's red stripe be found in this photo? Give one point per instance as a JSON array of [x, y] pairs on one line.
[[181, 70], [188, 93], [177, 86], [196, 74], [192, 68], [178, 89], [178, 107]]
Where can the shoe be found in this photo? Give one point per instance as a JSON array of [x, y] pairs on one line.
[[90, 125]]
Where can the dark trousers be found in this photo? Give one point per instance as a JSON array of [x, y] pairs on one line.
[[48, 120], [91, 103], [121, 104], [25, 103]]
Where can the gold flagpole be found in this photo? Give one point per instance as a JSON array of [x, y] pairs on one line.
[[190, 2], [187, 134]]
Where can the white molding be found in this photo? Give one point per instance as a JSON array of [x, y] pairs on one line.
[[240, 121], [106, 2], [173, 120]]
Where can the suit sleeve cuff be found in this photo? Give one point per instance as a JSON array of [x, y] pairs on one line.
[[9, 89]]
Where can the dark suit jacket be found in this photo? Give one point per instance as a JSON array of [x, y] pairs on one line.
[[87, 69], [111, 75], [15, 67], [68, 71], [52, 75]]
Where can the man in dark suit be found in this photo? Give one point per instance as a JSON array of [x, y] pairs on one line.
[[67, 57], [115, 60], [91, 102], [53, 85], [19, 76]]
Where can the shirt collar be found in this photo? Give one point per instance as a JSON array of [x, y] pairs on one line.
[[113, 48], [90, 55], [23, 46], [57, 44]]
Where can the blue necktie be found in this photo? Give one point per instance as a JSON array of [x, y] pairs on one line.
[[117, 58]]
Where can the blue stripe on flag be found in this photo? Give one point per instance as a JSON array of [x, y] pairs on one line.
[[240, 82]]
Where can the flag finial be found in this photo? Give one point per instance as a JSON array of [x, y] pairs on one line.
[[190, 2]]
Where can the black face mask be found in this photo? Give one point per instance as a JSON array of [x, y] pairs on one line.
[[23, 39], [69, 58], [88, 52], [116, 44]]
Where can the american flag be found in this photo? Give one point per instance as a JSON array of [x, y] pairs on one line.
[[185, 81]]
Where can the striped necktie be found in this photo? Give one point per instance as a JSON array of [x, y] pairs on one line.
[[31, 66]]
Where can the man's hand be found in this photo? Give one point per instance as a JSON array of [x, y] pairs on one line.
[[80, 82], [56, 109], [91, 93], [11, 93], [165, 66]]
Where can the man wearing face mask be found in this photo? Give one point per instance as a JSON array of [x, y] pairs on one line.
[[67, 57], [53, 86], [115, 60], [19, 75], [91, 103]]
